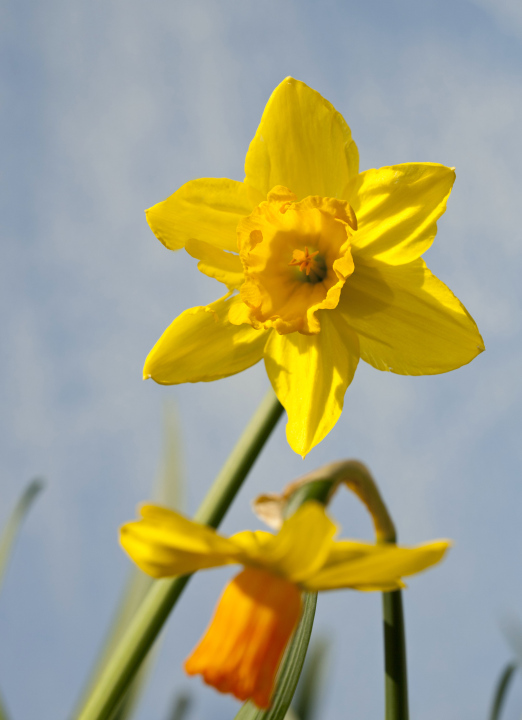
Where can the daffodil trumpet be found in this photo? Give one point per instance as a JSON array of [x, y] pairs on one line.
[[321, 263], [260, 608]]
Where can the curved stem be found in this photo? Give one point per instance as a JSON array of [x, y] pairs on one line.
[[155, 609], [321, 485]]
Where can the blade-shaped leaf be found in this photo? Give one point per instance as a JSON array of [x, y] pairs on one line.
[[3, 711], [170, 488], [169, 492], [10, 531], [8, 537], [503, 684], [148, 621], [181, 707], [512, 631], [311, 682]]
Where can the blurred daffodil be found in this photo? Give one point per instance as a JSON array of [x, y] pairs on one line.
[[322, 264], [259, 609]]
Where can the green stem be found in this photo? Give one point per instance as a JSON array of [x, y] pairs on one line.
[[396, 676], [320, 485], [395, 665], [163, 595]]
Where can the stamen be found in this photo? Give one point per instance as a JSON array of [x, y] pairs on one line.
[[305, 260]]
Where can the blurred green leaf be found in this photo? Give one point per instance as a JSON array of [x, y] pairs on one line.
[[512, 631], [291, 715], [181, 706], [503, 684], [311, 682], [169, 491], [171, 486], [290, 671], [8, 537], [3, 711], [10, 532]]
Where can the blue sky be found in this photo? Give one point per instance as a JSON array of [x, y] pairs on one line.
[[106, 109]]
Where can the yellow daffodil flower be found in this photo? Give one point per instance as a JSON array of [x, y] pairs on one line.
[[322, 264], [260, 608]]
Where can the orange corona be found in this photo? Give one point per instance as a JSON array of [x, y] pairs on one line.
[[242, 648]]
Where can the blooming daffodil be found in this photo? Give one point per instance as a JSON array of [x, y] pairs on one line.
[[322, 265], [260, 608]]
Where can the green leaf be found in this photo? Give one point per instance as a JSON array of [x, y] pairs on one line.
[[512, 631], [503, 684], [3, 711], [311, 682], [127, 657], [14, 523], [291, 715], [169, 492], [8, 537], [171, 485], [290, 670], [181, 707]]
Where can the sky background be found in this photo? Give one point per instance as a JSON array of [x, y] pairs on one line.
[[107, 108]]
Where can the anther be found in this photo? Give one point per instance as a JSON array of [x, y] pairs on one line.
[[305, 260]]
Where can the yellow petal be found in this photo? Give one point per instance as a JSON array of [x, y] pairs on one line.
[[302, 143], [397, 209], [302, 545], [375, 567], [202, 345], [216, 263], [382, 587], [164, 544], [207, 209], [251, 544], [310, 374], [407, 320]]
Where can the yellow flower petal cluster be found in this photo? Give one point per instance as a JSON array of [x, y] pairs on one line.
[[323, 265], [242, 648]]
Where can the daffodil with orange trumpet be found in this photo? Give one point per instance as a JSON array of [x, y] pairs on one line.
[[260, 608]]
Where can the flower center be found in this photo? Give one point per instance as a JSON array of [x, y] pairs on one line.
[[296, 257], [312, 267]]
